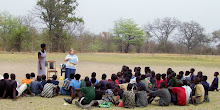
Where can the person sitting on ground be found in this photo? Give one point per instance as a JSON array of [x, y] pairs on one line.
[[2, 85], [128, 97], [199, 93], [173, 80], [28, 79], [54, 80], [214, 85], [33, 76], [43, 82], [139, 83], [93, 81], [152, 79], [158, 80], [65, 89], [178, 94], [75, 84], [181, 75], [147, 72], [12, 88], [83, 82], [103, 82], [114, 85], [164, 78], [140, 97], [163, 93], [187, 76], [206, 87], [89, 95], [49, 90], [35, 86], [6, 76], [192, 76], [123, 87], [93, 75], [108, 95], [178, 77], [199, 75], [188, 90], [145, 81]]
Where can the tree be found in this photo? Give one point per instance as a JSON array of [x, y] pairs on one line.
[[191, 34], [56, 14], [162, 29], [128, 33]]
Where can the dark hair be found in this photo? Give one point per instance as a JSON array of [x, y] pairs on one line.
[[187, 73], [185, 82], [217, 73], [12, 76], [200, 72], [127, 79], [137, 73], [72, 76], [181, 73], [38, 78], [6, 75], [138, 79], [114, 77], [192, 69], [129, 87], [48, 81], [86, 78], [129, 71], [32, 74], [104, 76], [143, 76], [129, 75], [88, 84], [77, 76], [43, 45], [142, 88], [93, 80], [162, 85], [108, 86], [158, 75], [205, 77], [163, 75], [54, 77], [93, 74], [98, 86], [43, 77], [28, 76], [153, 73]]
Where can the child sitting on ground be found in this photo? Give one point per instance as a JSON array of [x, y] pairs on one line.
[[141, 96], [93, 75], [49, 90], [93, 81], [54, 81], [206, 87], [103, 82], [28, 79], [128, 97], [83, 82], [43, 82], [214, 85], [33, 76], [164, 78]]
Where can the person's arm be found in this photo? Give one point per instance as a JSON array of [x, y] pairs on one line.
[[66, 59], [14, 94], [39, 59], [76, 61], [4, 93]]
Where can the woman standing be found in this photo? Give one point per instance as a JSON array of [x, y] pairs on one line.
[[42, 60], [71, 60]]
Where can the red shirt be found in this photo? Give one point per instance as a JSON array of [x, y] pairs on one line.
[[181, 95], [115, 81], [165, 81], [158, 83]]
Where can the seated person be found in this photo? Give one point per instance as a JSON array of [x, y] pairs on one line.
[[89, 95], [33, 76], [49, 90], [83, 82], [35, 86], [108, 95], [206, 87], [164, 78], [114, 85], [43, 82], [93, 81], [145, 81], [54, 81], [123, 87], [188, 90], [139, 83], [103, 82], [75, 83], [93, 75], [140, 97], [128, 97], [178, 94], [163, 93], [65, 89], [28, 79], [2, 85], [199, 93], [6, 76], [214, 85], [158, 80]]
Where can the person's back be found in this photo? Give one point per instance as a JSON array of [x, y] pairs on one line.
[[54, 81], [145, 81], [28, 79], [181, 95], [36, 87], [75, 83], [10, 86], [206, 88], [103, 84], [200, 92], [140, 98], [2, 87], [43, 82], [89, 93], [48, 90], [128, 98], [188, 91], [164, 94]]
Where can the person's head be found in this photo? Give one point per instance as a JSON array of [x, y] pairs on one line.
[[98, 86], [129, 87], [173, 74], [192, 70], [197, 80], [33, 75], [216, 74], [127, 79], [93, 80], [187, 73], [72, 76], [123, 69], [72, 52], [129, 75], [86, 79], [43, 46], [114, 77], [199, 73], [163, 76], [137, 73], [179, 83], [178, 77], [43, 77], [49, 81], [104, 76], [204, 78], [12, 76], [147, 70], [38, 78], [119, 74], [158, 76], [142, 88], [162, 85], [93, 75], [28, 76], [125, 75], [129, 71], [152, 73], [169, 71], [181, 74], [108, 86], [54, 77], [6, 75], [88, 84], [143, 76], [185, 82], [138, 79], [77, 76]]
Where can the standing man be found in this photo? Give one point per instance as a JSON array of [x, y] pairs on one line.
[[42, 60], [71, 60]]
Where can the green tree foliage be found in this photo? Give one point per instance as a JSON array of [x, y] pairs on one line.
[[128, 33], [56, 14]]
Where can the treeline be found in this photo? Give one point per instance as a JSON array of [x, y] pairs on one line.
[[64, 30]]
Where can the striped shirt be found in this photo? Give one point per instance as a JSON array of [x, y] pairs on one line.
[[48, 90]]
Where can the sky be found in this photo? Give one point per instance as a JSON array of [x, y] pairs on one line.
[[99, 15]]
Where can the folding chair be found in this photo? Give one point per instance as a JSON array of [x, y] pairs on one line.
[[51, 68]]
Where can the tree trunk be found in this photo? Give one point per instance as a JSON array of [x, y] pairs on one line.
[[127, 48]]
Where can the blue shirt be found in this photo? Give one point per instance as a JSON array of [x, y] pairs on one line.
[[192, 76], [75, 83], [206, 87], [95, 81], [36, 87], [55, 82], [73, 59], [139, 85], [43, 82], [215, 83]]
